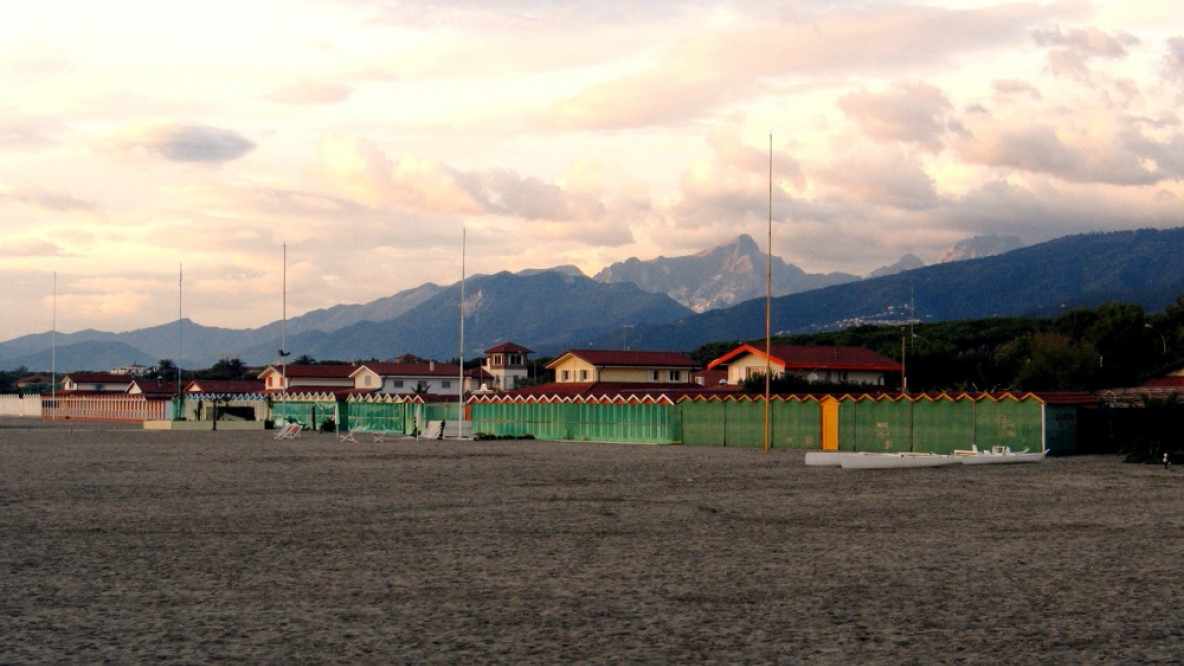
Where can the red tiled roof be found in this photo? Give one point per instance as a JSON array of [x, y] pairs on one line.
[[154, 386], [313, 371], [606, 388], [1168, 381], [809, 357], [412, 369], [509, 347], [224, 386], [627, 358]]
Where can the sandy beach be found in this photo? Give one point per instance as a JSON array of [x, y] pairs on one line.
[[124, 545]]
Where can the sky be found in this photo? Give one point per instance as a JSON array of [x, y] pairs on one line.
[[160, 158]]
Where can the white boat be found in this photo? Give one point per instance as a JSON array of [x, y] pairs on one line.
[[895, 460], [998, 455], [827, 458]]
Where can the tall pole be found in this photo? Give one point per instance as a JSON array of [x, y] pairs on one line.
[[53, 353], [460, 403], [284, 339], [769, 300], [180, 335]]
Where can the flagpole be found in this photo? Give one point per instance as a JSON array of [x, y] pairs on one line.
[[53, 353], [461, 354], [180, 334], [769, 300]]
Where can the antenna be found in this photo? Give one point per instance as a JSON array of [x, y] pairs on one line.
[[769, 299], [460, 403], [53, 352]]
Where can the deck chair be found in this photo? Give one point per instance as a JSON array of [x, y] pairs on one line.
[[283, 432], [293, 431], [347, 436]]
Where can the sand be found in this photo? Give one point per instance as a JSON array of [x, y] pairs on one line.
[[124, 545]]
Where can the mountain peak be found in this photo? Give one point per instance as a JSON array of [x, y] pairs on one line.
[[979, 247]]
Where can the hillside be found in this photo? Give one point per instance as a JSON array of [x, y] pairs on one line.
[[1141, 267]]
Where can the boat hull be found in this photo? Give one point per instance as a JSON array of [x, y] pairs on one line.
[[895, 460]]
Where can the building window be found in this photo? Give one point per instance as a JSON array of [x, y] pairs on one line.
[[675, 375], [583, 375], [398, 383], [655, 375], [565, 375], [445, 384], [366, 380]]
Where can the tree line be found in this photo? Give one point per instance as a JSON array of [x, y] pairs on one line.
[[1086, 349]]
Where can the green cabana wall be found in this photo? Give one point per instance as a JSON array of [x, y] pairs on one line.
[[584, 420], [930, 424], [311, 412], [941, 425], [728, 421]]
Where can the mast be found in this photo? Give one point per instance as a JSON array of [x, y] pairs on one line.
[[460, 403], [284, 337], [180, 334], [769, 299], [53, 352]]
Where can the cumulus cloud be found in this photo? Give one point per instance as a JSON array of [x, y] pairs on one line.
[[913, 113], [710, 69], [184, 143], [880, 177], [1174, 60], [1073, 49]]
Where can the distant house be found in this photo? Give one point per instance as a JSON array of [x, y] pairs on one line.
[[34, 383], [846, 365], [427, 377], [132, 369], [505, 365], [307, 378], [96, 382], [583, 366], [151, 387]]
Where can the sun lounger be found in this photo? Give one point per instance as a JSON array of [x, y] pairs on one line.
[[347, 436], [290, 431]]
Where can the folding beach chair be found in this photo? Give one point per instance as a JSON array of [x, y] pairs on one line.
[[347, 436], [291, 431], [283, 432]]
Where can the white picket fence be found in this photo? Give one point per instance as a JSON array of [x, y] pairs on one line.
[[13, 404]]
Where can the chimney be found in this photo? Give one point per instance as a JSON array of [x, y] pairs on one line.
[[432, 366]]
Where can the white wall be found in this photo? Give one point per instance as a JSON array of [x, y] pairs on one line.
[[12, 404]]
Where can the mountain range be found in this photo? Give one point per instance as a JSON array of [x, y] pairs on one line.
[[674, 303]]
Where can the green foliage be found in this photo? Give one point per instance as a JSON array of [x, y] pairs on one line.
[[1110, 346], [1157, 432]]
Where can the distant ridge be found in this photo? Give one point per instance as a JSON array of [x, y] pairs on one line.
[[551, 310], [1140, 267]]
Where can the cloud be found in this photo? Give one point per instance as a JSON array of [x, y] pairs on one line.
[[1075, 48], [711, 69], [183, 143], [40, 198], [311, 92], [32, 247], [913, 113], [880, 177], [1016, 87], [1174, 60], [25, 132]]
